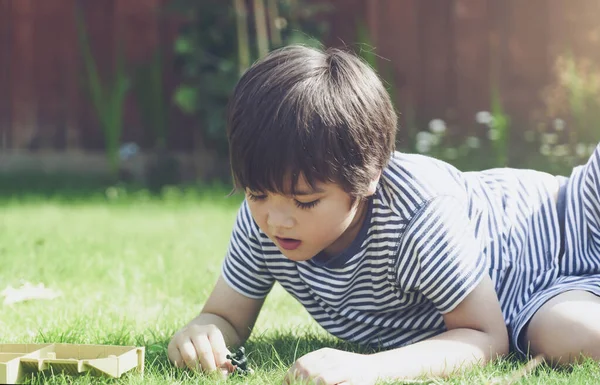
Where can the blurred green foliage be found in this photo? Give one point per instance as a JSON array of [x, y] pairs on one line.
[[221, 39]]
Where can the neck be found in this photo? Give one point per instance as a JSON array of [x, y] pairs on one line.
[[352, 231]]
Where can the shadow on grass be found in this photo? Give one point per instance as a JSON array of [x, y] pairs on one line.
[[277, 351], [280, 349], [271, 354]]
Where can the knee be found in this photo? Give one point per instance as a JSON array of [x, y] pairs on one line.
[[566, 328], [555, 351], [560, 345]]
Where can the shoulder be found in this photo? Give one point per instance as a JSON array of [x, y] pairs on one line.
[[414, 179], [245, 227], [244, 218]]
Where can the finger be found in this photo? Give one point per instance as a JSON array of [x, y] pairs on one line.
[[294, 376], [290, 376], [220, 351], [326, 379], [175, 356], [204, 352], [287, 379], [332, 376], [189, 355]]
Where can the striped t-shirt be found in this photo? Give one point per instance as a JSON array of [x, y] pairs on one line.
[[430, 234]]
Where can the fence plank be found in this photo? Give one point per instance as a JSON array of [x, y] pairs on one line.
[[472, 58], [137, 29], [72, 64], [400, 45], [50, 36], [99, 23], [344, 19], [372, 20], [435, 46], [22, 88], [574, 30], [182, 128], [5, 89], [526, 69]]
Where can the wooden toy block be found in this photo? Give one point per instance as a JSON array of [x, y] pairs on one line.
[[20, 360]]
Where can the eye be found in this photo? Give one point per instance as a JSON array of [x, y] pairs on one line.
[[256, 197], [307, 205]]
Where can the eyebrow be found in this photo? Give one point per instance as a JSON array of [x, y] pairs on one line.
[[309, 192]]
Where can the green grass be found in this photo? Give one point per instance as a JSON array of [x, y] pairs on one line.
[[135, 268]]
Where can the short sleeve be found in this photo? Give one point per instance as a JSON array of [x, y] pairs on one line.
[[439, 255], [244, 267]]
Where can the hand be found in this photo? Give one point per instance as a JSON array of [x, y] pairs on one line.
[[201, 348], [333, 367]]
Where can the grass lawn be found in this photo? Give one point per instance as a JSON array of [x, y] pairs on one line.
[[134, 270]]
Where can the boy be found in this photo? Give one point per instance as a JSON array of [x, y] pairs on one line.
[[439, 268]]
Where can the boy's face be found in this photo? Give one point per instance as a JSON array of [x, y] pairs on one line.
[[302, 225]]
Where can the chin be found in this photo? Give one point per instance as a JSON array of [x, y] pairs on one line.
[[294, 256]]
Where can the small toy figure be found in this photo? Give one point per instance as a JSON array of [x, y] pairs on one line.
[[240, 361]]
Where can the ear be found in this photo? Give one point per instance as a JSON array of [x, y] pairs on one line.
[[373, 184]]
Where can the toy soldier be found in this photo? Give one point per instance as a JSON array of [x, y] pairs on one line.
[[240, 361]]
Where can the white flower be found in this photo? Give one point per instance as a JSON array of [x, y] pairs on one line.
[[558, 124], [280, 23], [423, 146], [473, 142], [545, 149], [425, 136], [484, 117], [561, 150], [550, 138], [437, 126], [581, 150], [494, 134]]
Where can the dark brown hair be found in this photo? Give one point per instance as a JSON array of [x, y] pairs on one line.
[[301, 111]]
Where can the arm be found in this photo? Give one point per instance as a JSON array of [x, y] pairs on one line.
[[228, 316], [476, 334], [234, 313], [225, 321], [452, 273], [441, 258]]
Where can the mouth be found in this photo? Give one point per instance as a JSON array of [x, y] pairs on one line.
[[288, 243]]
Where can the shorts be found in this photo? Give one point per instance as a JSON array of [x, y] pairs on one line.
[[578, 264]]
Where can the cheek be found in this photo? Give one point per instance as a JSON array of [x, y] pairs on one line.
[[334, 217]]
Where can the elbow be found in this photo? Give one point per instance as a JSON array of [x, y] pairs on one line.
[[499, 343], [502, 348]]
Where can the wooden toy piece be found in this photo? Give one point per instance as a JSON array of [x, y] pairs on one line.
[[18, 361]]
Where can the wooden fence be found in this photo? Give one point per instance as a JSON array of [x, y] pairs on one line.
[[448, 56], [441, 56], [44, 103]]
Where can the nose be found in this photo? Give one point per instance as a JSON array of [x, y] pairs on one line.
[[278, 218]]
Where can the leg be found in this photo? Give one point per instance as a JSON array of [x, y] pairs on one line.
[[566, 328]]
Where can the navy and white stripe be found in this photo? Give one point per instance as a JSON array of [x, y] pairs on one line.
[[430, 234]]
